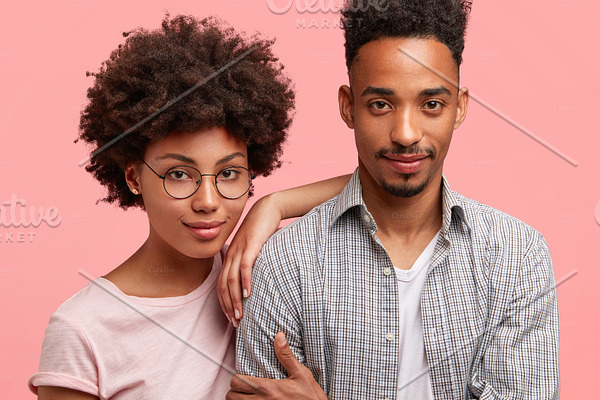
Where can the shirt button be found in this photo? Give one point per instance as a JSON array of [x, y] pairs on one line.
[[367, 219], [389, 337], [387, 271]]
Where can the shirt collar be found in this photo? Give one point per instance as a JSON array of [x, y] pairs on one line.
[[351, 196], [451, 207]]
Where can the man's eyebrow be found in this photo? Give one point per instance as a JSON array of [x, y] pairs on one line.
[[435, 91], [230, 157], [179, 157], [377, 90]]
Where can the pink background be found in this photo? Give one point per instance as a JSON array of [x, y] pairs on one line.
[[535, 62]]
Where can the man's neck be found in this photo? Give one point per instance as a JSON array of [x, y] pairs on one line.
[[405, 226], [405, 218]]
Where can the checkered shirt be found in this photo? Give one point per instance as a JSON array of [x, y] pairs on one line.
[[489, 306]]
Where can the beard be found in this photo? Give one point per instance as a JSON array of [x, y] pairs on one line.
[[404, 190]]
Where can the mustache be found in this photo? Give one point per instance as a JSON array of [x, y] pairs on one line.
[[403, 150]]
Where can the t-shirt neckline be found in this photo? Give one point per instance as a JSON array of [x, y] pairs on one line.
[[406, 275], [200, 291]]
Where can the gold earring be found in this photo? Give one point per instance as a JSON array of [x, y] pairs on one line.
[[135, 191]]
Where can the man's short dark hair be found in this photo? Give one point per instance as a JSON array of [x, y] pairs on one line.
[[252, 98], [444, 20]]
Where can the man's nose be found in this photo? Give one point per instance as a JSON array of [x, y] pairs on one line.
[[405, 129]]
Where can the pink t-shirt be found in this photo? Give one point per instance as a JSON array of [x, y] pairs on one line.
[[115, 346]]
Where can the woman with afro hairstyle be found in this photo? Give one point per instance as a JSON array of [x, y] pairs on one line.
[[180, 120]]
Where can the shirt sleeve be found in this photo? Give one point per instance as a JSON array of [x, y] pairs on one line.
[[521, 359], [67, 359], [272, 307]]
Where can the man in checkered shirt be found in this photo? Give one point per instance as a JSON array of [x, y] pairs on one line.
[[400, 288]]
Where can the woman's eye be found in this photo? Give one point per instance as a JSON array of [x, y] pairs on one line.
[[229, 174], [178, 175]]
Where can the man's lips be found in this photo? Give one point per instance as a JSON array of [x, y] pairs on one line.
[[406, 158], [205, 230], [406, 163]]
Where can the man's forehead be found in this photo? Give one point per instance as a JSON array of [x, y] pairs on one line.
[[413, 61]]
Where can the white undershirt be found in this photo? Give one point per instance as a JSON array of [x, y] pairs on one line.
[[414, 381]]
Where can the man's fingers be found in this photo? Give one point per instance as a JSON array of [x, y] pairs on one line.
[[244, 384], [285, 355]]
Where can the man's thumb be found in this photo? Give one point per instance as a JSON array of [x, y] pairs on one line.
[[285, 355]]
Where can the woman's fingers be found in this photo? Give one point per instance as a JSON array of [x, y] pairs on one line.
[[234, 286], [223, 287]]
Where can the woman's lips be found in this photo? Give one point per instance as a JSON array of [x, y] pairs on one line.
[[407, 164], [205, 230]]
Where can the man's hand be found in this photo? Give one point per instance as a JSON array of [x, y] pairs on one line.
[[300, 385]]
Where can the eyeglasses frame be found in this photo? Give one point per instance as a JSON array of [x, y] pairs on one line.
[[163, 177]]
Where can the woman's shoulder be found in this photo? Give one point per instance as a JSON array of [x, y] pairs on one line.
[[86, 300], [100, 302]]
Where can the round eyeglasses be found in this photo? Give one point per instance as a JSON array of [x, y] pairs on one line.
[[183, 181]]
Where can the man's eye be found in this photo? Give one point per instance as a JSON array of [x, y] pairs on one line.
[[433, 105], [379, 105]]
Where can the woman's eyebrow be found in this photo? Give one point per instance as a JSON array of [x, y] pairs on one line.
[[230, 157], [191, 161], [179, 157]]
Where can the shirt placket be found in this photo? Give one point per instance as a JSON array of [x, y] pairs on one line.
[[387, 292], [435, 325]]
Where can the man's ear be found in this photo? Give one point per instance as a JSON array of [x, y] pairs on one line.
[[346, 103], [461, 106], [132, 176]]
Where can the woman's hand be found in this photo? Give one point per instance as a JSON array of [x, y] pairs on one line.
[[260, 223], [234, 281]]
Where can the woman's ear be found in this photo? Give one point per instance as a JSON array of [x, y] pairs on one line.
[[132, 177]]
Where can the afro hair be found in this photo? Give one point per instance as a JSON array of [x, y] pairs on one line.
[[188, 75]]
